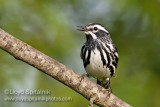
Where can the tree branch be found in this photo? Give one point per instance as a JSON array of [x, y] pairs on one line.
[[58, 71]]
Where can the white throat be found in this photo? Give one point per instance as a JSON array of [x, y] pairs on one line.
[[92, 34]]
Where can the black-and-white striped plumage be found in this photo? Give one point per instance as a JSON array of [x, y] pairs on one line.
[[99, 54]]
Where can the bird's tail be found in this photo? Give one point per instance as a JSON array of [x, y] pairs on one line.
[[105, 83]]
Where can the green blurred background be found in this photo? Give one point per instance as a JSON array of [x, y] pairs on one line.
[[50, 26]]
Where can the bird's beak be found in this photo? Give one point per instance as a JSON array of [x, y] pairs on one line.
[[82, 28]]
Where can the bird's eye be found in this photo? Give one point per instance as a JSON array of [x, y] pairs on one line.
[[95, 28]]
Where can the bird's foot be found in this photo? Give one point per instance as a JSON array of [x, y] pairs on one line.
[[109, 90], [108, 87], [84, 75]]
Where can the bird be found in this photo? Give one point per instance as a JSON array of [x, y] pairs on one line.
[[99, 54]]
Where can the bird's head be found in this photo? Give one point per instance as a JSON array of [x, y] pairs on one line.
[[94, 30]]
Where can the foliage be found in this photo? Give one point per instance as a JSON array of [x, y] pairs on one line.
[[50, 26]]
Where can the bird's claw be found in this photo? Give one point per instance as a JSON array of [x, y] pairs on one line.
[[109, 90], [84, 75]]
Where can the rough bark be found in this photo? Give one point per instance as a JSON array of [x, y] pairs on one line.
[[58, 71]]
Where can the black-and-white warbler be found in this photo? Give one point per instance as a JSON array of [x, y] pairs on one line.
[[99, 54]]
